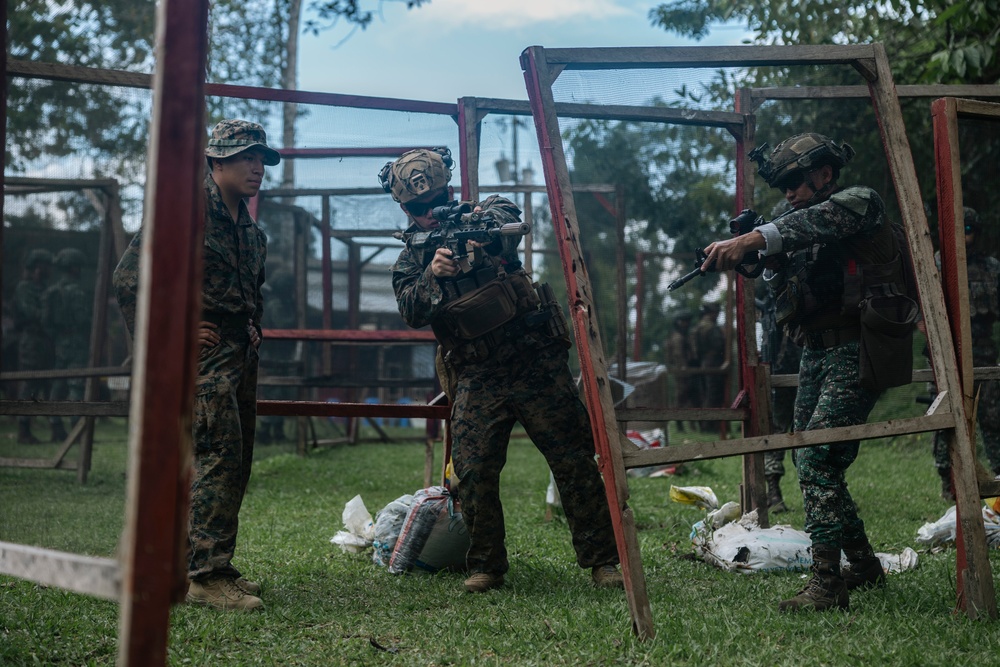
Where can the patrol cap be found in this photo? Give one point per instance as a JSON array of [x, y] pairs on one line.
[[69, 258], [416, 173], [230, 137], [36, 257]]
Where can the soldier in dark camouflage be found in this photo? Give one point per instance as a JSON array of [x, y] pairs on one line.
[[679, 358], [34, 346], [225, 406], [67, 317], [984, 306], [837, 229], [516, 371]]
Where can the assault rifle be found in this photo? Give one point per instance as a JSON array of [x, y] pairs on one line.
[[744, 223], [459, 226]]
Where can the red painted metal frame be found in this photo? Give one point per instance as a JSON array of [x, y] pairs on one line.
[[165, 351]]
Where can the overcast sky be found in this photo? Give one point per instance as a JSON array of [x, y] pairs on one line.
[[456, 48]]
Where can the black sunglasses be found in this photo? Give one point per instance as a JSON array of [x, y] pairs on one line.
[[792, 181], [419, 209]]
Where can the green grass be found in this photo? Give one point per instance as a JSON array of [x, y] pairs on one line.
[[325, 607]]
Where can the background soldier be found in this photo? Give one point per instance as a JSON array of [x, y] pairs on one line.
[[67, 316], [34, 347], [708, 344], [225, 404], [984, 304], [678, 357], [503, 359], [836, 229]]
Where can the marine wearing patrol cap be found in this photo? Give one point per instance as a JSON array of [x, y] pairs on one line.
[[230, 137]]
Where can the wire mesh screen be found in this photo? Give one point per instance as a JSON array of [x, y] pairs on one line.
[[679, 193]]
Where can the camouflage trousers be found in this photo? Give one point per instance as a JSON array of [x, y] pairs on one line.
[[534, 388], [988, 416], [225, 413], [830, 395], [782, 410]]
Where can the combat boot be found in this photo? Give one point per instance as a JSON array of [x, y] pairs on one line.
[[480, 582], [24, 435], [866, 569], [946, 491], [222, 593], [826, 590], [607, 576], [775, 503], [251, 587]]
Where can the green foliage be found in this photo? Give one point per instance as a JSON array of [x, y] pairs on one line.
[[325, 607]]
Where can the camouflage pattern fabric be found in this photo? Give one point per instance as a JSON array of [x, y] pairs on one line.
[[709, 348], [679, 357], [34, 346], [779, 350], [830, 395], [535, 388], [230, 137], [226, 385], [525, 379], [984, 305], [67, 318]]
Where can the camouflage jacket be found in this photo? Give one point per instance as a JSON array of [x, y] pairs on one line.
[[419, 294], [984, 292], [29, 308], [233, 273], [67, 309]]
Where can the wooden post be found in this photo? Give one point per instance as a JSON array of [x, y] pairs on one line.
[[160, 419]]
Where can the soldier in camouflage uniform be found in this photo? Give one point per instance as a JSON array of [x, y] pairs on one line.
[[984, 305], [708, 344], [679, 358], [34, 346], [67, 317], [844, 233], [507, 363], [225, 406]]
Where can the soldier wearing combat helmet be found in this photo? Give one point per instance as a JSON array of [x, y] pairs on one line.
[[34, 346], [503, 357], [983, 271], [67, 319], [834, 256], [229, 335]]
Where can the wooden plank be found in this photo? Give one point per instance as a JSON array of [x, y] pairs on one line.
[[768, 443], [596, 385], [371, 410], [100, 577], [6, 462], [842, 92], [681, 414], [154, 542], [103, 371], [385, 336], [666, 57], [976, 109], [469, 130], [65, 408]]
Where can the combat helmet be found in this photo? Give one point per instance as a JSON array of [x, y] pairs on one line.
[[36, 257], [971, 219], [68, 258], [798, 153], [416, 173]]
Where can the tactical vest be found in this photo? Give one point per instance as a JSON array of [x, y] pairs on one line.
[[489, 305], [984, 300], [850, 290]]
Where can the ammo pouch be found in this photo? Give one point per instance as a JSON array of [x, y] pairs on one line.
[[887, 323], [478, 312], [787, 302]]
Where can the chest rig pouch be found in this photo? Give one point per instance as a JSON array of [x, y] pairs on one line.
[[480, 311]]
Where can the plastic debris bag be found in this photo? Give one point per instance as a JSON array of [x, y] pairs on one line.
[[433, 536], [700, 496], [388, 523], [360, 529], [942, 531]]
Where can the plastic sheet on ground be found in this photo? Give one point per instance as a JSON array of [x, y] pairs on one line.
[[652, 439], [743, 546], [942, 531], [433, 535], [359, 529], [388, 522]]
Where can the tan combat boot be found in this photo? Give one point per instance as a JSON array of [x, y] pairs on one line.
[[826, 590], [222, 593], [480, 582], [607, 576], [251, 587]]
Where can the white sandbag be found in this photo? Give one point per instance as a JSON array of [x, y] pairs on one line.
[[433, 535]]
